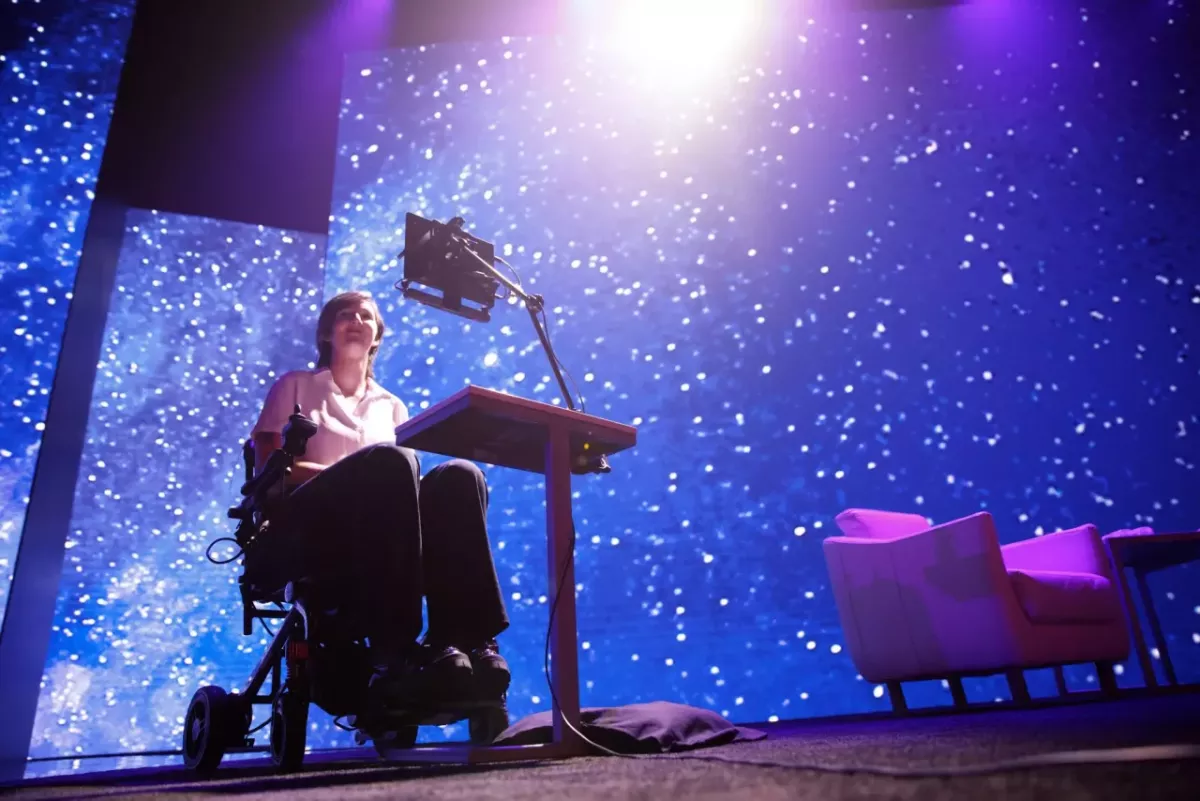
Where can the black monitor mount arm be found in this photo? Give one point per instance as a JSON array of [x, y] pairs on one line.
[[460, 242]]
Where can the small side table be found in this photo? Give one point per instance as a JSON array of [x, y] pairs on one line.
[[1145, 552]]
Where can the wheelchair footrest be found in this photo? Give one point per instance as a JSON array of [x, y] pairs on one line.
[[396, 718], [392, 719]]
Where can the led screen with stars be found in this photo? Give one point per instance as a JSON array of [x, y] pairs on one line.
[[59, 67], [926, 262], [932, 261]]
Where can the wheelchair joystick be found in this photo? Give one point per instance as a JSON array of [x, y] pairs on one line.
[[297, 432]]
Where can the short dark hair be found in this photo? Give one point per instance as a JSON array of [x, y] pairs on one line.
[[329, 313]]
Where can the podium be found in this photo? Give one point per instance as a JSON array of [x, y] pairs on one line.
[[483, 425]]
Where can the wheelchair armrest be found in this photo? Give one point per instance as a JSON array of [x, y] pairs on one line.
[[277, 467], [306, 589]]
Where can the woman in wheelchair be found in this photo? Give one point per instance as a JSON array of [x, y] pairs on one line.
[[359, 516]]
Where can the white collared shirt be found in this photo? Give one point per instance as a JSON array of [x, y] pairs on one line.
[[343, 424]]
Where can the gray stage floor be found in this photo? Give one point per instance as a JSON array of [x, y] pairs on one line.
[[817, 759]]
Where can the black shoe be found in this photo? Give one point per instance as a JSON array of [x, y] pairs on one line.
[[492, 675], [423, 676]]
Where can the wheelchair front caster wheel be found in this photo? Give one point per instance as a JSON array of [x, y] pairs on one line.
[[289, 726], [400, 739], [211, 718], [487, 724]]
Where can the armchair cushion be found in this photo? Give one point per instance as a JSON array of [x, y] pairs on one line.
[[878, 525], [1075, 550], [1049, 597]]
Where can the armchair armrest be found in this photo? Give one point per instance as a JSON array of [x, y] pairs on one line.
[[921, 603], [1077, 550]]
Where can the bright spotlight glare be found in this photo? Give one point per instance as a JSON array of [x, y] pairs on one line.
[[680, 42]]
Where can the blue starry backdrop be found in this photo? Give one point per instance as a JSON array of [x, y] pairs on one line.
[[59, 66], [205, 315], [934, 261]]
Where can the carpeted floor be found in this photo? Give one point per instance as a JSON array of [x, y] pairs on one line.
[[922, 743]]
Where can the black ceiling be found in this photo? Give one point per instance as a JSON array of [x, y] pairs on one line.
[[228, 108]]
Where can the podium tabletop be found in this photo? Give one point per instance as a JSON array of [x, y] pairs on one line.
[[483, 425]]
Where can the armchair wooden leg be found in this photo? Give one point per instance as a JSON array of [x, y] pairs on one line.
[[1160, 642], [896, 696], [957, 692], [1017, 687], [1108, 679], [1060, 680]]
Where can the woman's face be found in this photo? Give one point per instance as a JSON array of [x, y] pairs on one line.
[[355, 330]]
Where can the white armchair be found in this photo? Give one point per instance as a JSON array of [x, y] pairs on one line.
[[943, 602]]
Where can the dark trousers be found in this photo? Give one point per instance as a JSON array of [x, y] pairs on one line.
[[380, 532]]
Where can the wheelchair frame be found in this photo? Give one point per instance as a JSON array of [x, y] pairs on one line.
[[218, 722]]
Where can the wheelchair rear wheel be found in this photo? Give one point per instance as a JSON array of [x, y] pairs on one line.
[[208, 729], [289, 727]]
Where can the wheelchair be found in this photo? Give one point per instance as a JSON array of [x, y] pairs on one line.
[[317, 656]]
